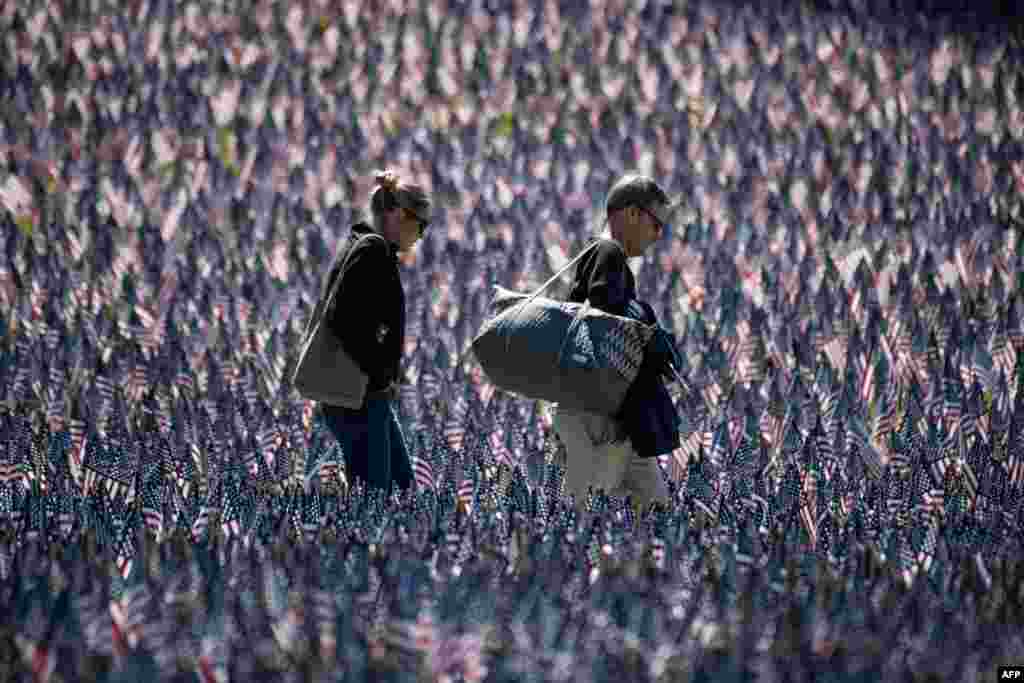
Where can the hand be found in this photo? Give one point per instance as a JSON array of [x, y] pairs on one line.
[[389, 392], [393, 391]]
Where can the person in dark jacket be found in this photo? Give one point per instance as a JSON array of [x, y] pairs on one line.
[[368, 316], [619, 453]]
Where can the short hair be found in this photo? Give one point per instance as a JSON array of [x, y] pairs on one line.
[[390, 194], [641, 191]]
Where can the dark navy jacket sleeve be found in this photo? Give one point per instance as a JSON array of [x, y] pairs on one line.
[[357, 314], [603, 278]]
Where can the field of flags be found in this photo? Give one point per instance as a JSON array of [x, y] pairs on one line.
[[845, 279]]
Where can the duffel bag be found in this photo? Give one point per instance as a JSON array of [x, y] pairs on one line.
[[573, 354]]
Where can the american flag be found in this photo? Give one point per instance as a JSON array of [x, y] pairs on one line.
[[952, 394], [1015, 323], [423, 473], [138, 381], [885, 422], [232, 515], [152, 483], [455, 422], [172, 289], [465, 494], [720, 446], [200, 526], [13, 468], [501, 447], [808, 505], [104, 390], [125, 560], [1015, 447]]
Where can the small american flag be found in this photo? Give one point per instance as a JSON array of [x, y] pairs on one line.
[[201, 525], [125, 561], [455, 423], [464, 495], [423, 473]]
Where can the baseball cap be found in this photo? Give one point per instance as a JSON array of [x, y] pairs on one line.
[[641, 191]]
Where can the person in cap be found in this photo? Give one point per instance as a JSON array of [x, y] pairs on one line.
[[368, 317], [619, 453]]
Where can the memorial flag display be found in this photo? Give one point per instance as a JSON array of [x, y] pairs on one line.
[[844, 285]]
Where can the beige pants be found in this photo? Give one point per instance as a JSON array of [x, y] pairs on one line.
[[598, 454]]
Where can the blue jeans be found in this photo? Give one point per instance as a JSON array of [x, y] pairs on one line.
[[372, 443]]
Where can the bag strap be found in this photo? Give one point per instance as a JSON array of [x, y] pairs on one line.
[[559, 273], [324, 303], [521, 306], [344, 266], [540, 289]]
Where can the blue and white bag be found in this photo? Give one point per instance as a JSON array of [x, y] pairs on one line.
[[573, 354]]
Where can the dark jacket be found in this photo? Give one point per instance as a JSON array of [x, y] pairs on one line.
[[368, 315], [647, 414], [604, 277]]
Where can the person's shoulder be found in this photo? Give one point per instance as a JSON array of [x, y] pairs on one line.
[[607, 248], [366, 242]]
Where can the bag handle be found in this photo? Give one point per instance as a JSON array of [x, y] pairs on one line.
[[540, 289], [521, 306], [559, 273]]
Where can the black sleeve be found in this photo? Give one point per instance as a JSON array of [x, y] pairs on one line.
[[650, 317], [605, 278], [335, 271], [356, 315]]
